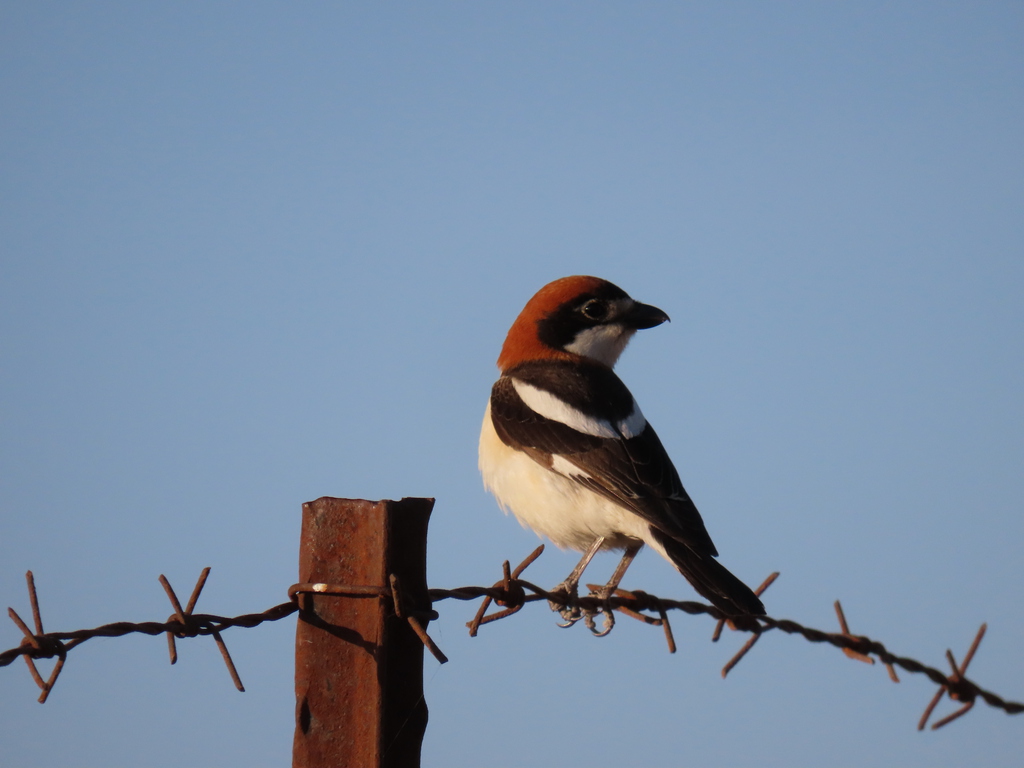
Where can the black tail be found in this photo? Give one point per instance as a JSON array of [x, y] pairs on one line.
[[711, 579]]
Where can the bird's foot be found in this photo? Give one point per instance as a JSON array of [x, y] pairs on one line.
[[609, 622], [570, 613], [604, 595]]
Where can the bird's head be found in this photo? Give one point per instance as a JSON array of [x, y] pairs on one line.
[[573, 317]]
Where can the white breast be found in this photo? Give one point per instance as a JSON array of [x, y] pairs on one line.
[[551, 503]]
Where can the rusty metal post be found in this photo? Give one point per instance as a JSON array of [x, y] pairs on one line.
[[359, 667]]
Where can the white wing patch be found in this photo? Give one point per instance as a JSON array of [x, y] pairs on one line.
[[634, 424], [565, 467], [551, 407]]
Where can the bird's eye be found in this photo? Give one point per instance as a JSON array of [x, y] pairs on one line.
[[595, 309]]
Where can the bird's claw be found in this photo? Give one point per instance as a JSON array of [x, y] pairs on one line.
[[570, 616], [570, 613], [609, 621], [603, 595]]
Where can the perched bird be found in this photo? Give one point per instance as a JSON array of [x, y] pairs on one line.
[[565, 446]]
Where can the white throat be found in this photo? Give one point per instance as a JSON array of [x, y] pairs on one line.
[[603, 343]]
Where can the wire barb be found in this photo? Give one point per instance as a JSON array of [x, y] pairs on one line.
[[740, 654], [759, 591], [856, 654], [41, 645], [957, 686], [188, 627], [733, 625], [512, 592], [850, 652], [634, 603], [409, 616]]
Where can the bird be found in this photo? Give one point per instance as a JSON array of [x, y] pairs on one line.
[[565, 446]]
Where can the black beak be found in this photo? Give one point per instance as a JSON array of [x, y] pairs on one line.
[[642, 316]]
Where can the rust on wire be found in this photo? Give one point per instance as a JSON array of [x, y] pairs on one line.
[[956, 686], [667, 627], [42, 645], [850, 652], [759, 591], [512, 592], [633, 603], [183, 623], [188, 627], [756, 633], [740, 653], [359, 590], [33, 597], [341, 590], [856, 654], [651, 602], [414, 619]]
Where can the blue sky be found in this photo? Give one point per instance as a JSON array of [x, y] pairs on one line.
[[256, 253]]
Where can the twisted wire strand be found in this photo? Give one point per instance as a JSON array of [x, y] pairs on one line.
[[509, 592]]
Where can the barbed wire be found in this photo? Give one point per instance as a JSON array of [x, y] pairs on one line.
[[182, 623], [512, 593]]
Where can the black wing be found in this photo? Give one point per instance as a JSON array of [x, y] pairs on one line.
[[634, 472]]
